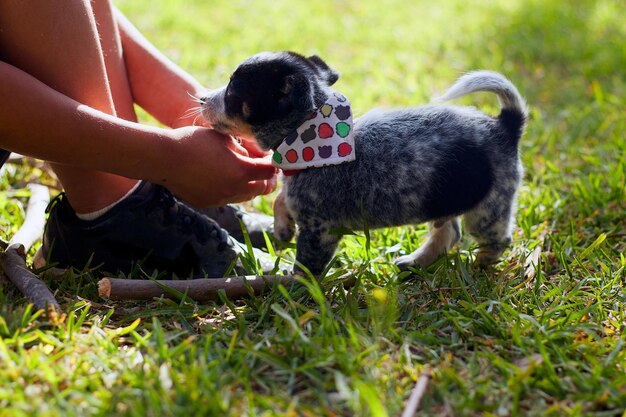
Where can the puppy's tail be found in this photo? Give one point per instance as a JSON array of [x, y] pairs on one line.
[[514, 111]]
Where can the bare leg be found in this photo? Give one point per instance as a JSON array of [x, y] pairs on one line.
[[442, 235], [75, 49]]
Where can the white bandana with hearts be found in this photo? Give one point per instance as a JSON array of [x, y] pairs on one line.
[[326, 138]]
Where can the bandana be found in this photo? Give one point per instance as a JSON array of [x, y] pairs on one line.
[[326, 138]]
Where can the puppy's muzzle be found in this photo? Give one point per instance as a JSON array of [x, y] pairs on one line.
[[213, 109]]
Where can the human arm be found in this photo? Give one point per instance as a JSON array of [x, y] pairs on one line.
[[160, 86], [196, 163]]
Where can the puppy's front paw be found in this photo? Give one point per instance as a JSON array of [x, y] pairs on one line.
[[284, 225], [284, 230], [486, 259]]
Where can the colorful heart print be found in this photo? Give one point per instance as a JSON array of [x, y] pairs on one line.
[[309, 134], [291, 155], [344, 149], [342, 112], [308, 153], [291, 138], [343, 129], [324, 139], [340, 98], [326, 110], [325, 131], [325, 151]]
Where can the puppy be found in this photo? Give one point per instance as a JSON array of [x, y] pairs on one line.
[[388, 168]]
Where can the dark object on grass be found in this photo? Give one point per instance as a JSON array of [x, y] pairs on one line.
[[231, 216], [150, 225], [4, 156]]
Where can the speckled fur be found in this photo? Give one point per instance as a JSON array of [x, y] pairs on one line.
[[423, 164]]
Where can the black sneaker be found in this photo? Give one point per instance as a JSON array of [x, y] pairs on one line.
[[150, 226], [4, 156], [228, 218]]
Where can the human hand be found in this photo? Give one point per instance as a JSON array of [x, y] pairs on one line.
[[253, 148], [206, 168]]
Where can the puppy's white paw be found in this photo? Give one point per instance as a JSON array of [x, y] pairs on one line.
[[284, 225], [284, 230], [404, 262], [423, 257]]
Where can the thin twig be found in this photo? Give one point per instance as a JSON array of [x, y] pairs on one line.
[[35, 219], [13, 262], [204, 289], [13, 258], [532, 261], [412, 405]]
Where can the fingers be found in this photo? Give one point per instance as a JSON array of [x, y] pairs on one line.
[[255, 188], [249, 147], [248, 178], [270, 185], [234, 173], [253, 149], [259, 168], [262, 181], [237, 147]]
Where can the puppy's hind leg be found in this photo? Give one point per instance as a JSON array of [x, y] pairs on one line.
[[442, 235], [491, 224]]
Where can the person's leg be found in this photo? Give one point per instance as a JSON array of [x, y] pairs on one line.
[[75, 49]]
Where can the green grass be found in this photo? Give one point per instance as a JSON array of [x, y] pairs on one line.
[[501, 342]]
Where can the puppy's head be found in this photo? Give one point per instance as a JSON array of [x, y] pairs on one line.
[[269, 95]]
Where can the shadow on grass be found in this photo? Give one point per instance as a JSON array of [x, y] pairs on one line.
[[559, 47]]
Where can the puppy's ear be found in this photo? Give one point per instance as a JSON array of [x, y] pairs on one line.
[[330, 75], [297, 91]]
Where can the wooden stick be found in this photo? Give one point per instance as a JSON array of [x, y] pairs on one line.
[[13, 258], [13, 262], [35, 219], [412, 405], [204, 289]]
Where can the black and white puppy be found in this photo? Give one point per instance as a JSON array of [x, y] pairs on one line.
[[423, 164]]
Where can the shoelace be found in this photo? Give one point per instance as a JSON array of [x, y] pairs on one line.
[[189, 221], [54, 201]]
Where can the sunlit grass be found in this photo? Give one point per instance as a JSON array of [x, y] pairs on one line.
[[540, 334]]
